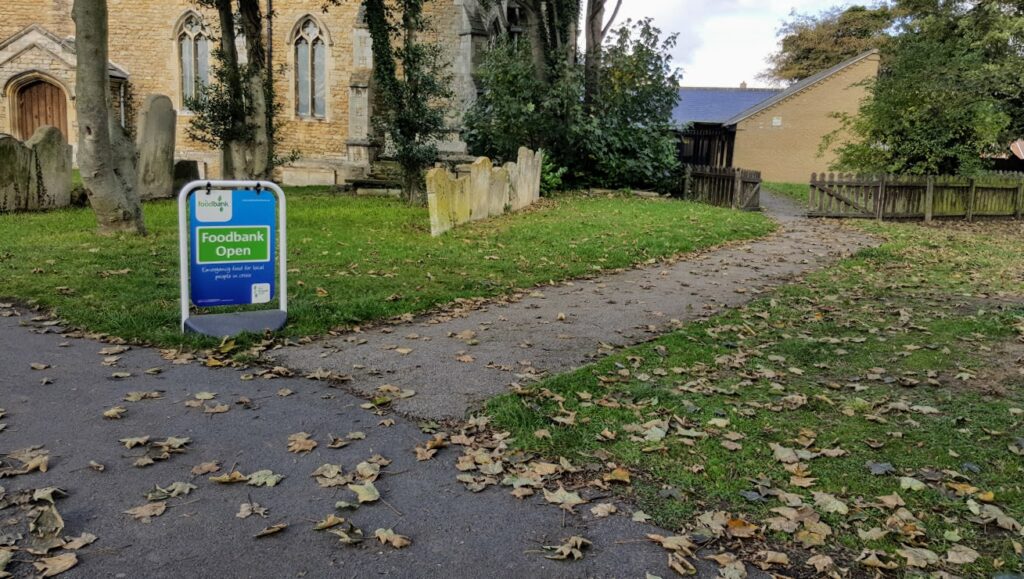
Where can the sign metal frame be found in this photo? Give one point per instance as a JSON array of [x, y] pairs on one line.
[[184, 233]]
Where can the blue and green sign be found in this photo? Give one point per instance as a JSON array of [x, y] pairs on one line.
[[231, 240]]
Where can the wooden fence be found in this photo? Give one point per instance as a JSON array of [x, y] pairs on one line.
[[722, 187], [915, 196]]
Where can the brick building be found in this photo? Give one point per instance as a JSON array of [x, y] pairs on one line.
[[322, 64], [776, 132]]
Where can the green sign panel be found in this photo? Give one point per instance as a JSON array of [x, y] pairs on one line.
[[229, 244]]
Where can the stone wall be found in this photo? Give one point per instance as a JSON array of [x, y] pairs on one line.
[[35, 175], [486, 191]]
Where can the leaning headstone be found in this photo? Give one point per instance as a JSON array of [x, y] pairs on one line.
[[440, 196], [50, 181], [185, 172], [157, 123], [14, 178]]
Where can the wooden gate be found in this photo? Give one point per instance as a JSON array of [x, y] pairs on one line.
[[722, 187], [845, 196], [41, 103]]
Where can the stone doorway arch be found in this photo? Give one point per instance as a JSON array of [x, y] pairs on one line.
[[37, 101]]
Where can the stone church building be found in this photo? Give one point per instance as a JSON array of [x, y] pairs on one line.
[[322, 64]]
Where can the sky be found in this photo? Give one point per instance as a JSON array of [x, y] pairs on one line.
[[721, 42]]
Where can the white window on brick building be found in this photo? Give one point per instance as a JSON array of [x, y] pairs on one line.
[[310, 41], [193, 56]]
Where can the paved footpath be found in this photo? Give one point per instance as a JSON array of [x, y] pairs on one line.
[[559, 328], [455, 533]]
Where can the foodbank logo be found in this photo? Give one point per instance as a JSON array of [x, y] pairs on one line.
[[213, 207]]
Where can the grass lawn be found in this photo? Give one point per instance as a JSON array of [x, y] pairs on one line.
[[797, 191], [903, 361], [350, 259]]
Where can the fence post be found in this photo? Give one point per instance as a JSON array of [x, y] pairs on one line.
[[880, 200], [1017, 200], [929, 199], [737, 188], [970, 200], [687, 179]]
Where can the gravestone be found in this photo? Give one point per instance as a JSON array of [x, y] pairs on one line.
[[51, 178], [157, 124], [35, 175]]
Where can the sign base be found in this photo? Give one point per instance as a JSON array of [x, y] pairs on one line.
[[221, 325]]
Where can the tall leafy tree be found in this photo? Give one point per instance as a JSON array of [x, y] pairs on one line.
[[235, 112], [950, 94], [815, 42], [639, 88]]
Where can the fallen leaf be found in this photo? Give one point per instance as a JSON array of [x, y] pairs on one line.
[[563, 498], [133, 442], [115, 413], [365, 493], [246, 510], [603, 510], [205, 468], [271, 530], [918, 557], [328, 522], [572, 548], [177, 489], [821, 563], [264, 478], [145, 513], [52, 566], [80, 541], [300, 442], [229, 478], [961, 555], [389, 537]]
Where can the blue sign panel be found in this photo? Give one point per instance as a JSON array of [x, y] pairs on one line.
[[231, 243]]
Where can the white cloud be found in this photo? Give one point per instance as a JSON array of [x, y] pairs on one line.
[[721, 42]]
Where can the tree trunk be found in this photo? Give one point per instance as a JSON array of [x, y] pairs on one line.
[[106, 157], [234, 165], [538, 41], [260, 156], [596, 30]]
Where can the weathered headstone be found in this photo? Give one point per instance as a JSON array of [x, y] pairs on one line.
[[440, 195], [51, 177], [185, 172], [157, 123], [479, 188], [14, 179], [497, 194], [35, 175]]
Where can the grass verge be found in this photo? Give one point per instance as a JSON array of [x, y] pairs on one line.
[[351, 260], [883, 395]]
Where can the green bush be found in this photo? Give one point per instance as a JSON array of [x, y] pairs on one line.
[[623, 139]]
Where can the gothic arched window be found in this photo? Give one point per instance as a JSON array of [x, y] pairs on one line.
[[310, 69], [193, 56]]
